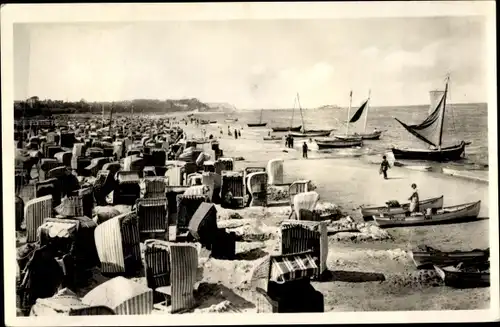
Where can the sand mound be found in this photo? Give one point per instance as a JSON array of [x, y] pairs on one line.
[[414, 279], [346, 229], [254, 231]]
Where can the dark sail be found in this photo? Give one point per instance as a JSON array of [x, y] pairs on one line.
[[358, 113], [430, 130]]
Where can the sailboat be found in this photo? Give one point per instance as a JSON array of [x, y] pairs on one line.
[[260, 123], [290, 128], [375, 135], [430, 131], [308, 133]]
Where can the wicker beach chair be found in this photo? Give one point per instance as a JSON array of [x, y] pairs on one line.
[[161, 170], [35, 211], [275, 171], [19, 213], [149, 171], [278, 279], [152, 215], [157, 263], [171, 194], [232, 188], [67, 140], [77, 152], [209, 166], [97, 310], [194, 179], [48, 187], [112, 167], [102, 187], [155, 187], [227, 163], [95, 165], [213, 181], [123, 296], [52, 150], [203, 224], [47, 164], [73, 244], [118, 245], [158, 157], [85, 196], [249, 170], [94, 152], [186, 207], [257, 187], [127, 189], [183, 274], [304, 201], [299, 236], [81, 164], [300, 186], [64, 158], [174, 175]]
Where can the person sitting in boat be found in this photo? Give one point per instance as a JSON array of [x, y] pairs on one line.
[[414, 199]]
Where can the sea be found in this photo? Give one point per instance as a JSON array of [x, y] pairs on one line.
[[468, 122]]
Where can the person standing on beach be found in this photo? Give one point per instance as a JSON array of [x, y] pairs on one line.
[[235, 134], [414, 199], [304, 150], [291, 142], [384, 166], [287, 141]]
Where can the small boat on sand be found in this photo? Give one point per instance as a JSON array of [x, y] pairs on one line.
[[446, 215], [272, 138], [333, 143], [311, 133], [433, 203], [461, 276], [231, 120], [365, 136], [427, 258], [287, 129]]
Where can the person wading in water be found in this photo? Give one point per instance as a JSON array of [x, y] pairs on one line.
[[304, 150], [384, 166]]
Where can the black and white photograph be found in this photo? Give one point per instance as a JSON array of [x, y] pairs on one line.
[[336, 161]]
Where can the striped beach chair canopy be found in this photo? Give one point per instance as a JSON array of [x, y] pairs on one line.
[[300, 236], [127, 177], [152, 214], [123, 296], [118, 244], [155, 187], [157, 263], [291, 267], [35, 211], [184, 265]]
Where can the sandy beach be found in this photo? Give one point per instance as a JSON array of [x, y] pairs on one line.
[[371, 275]]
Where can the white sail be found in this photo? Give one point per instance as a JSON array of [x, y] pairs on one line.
[[435, 97]]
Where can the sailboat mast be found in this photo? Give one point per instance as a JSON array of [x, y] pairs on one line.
[[348, 113], [367, 106], [301, 114], [442, 112]]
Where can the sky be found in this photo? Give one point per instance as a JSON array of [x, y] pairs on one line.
[[255, 63]]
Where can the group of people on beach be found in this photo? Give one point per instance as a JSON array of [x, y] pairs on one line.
[[289, 141]]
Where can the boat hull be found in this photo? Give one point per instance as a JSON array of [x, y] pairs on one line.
[[433, 203], [286, 129], [454, 214], [257, 125], [311, 133], [271, 138], [461, 279], [336, 144], [428, 259], [363, 136], [445, 154]]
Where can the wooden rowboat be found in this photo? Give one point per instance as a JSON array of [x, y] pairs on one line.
[[428, 259], [446, 215], [287, 129], [463, 279], [336, 143], [311, 133], [368, 213]]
